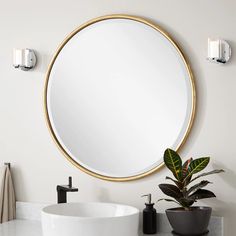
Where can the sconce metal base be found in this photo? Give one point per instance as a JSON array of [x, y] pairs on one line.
[[219, 51], [24, 59]]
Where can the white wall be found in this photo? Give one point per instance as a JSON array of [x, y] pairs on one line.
[[38, 165]]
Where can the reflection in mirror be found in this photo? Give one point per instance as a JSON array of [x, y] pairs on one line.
[[118, 93]]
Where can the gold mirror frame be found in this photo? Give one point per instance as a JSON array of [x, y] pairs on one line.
[[166, 35]]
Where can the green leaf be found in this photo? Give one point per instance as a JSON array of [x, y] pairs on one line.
[[201, 194], [173, 162], [185, 167], [200, 185], [168, 200], [208, 173], [197, 165], [171, 190]]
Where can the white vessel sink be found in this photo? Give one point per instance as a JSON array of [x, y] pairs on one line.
[[90, 219]]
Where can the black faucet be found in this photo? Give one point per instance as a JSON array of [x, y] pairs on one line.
[[63, 189]]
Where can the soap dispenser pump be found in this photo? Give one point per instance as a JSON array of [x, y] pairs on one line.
[[149, 216]]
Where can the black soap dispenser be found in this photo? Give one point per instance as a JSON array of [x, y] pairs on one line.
[[149, 216]]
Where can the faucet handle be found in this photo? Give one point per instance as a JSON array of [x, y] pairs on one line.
[[70, 182]]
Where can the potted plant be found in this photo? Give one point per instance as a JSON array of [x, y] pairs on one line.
[[186, 219]]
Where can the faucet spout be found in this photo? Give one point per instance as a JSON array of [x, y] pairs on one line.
[[62, 191]]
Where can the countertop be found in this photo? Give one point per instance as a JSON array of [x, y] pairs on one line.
[[28, 222], [33, 228], [21, 228], [29, 228]]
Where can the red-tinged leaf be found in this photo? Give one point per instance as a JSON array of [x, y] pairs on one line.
[[198, 186], [177, 183], [208, 173], [185, 167], [201, 194], [186, 202], [168, 200], [170, 190]]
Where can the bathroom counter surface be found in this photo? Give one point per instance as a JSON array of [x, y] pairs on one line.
[[33, 228], [21, 228], [28, 222], [29, 228]]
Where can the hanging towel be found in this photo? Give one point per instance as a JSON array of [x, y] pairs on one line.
[[7, 196]]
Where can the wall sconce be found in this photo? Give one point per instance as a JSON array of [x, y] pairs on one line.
[[24, 59], [219, 51]]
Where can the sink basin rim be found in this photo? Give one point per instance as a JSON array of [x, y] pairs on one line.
[[48, 210]]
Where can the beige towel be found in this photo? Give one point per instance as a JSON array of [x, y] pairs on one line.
[[7, 196]]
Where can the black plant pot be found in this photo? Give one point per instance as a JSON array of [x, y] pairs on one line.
[[191, 222]]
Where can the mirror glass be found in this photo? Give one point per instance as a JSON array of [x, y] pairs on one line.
[[118, 93]]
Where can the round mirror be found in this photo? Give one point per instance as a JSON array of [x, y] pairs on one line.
[[118, 93]]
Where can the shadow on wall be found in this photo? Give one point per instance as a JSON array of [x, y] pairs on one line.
[[233, 46], [18, 175], [228, 176], [43, 61], [103, 195]]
